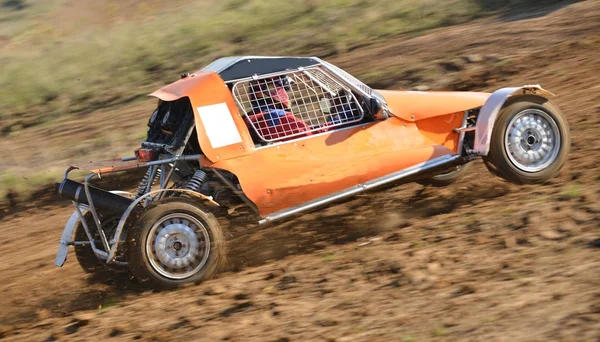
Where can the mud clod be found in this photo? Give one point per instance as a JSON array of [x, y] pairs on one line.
[[241, 296], [270, 276], [551, 234], [75, 324], [181, 323], [326, 323], [115, 332], [285, 282], [595, 243], [239, 307], [464, 290], [397, 282]]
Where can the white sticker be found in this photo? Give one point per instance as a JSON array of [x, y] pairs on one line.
[[219, 125]]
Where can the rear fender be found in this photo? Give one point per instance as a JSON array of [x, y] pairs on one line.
[[490, 110], [67, 235], [66, 238], [119, 230]]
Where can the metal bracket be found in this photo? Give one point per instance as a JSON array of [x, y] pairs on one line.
[[464, 129], [86, 186]]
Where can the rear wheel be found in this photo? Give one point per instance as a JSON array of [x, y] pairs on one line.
[[86, 258], [175, 241], [530, 141]]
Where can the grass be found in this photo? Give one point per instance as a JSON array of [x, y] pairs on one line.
[[23, 186], [439, 331], [106, 304], [490, 319], [572, 190], [508, 211], [63, 60], [329, 257], [55, 66]]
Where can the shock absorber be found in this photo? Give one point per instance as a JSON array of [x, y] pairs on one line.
[[196, 181], [141, 190]]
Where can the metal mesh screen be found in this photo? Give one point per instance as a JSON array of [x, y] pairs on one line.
[[295, 104], [348, 78]]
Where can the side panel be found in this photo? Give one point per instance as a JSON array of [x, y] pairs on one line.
[[222, 133], [440, 129], [284, 175]]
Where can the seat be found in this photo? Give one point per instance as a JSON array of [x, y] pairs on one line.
[[287, 128]]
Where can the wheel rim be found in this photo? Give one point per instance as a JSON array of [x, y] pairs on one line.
[[532, 140], [178, 246]]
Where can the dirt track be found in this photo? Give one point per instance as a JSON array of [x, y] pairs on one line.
[[480, 260]]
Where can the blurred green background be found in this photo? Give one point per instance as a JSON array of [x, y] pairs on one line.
[[65, 59]]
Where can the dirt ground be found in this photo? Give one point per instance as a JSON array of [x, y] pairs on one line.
[[479, 260]]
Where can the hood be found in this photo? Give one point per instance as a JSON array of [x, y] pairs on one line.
[[418, 105]]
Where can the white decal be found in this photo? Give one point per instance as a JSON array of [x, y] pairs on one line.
[[219, 126]]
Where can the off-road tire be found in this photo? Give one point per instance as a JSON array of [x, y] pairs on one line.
[[139, 255], [501, 163], [447, 178], [85, 255]]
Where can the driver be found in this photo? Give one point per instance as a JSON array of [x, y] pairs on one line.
[[341, 109], [271, 110]]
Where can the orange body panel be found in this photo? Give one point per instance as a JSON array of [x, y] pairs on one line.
[[205, 89], [440, 129], [418, 105], [280, 176], [286, 174]]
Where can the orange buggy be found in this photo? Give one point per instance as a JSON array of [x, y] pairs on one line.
[[284, 135]]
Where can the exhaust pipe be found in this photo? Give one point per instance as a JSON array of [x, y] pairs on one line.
[[103, 200]]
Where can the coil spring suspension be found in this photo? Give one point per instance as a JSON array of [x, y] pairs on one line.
[[196, 181], [141, 190]]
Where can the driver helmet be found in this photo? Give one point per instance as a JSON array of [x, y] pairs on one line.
[[270, 91]]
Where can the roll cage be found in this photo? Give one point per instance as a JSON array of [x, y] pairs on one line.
[[167, 134]]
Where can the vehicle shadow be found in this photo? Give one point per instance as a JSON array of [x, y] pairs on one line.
[[364, 217], [428, 204]]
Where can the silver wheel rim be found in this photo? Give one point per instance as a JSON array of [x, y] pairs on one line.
[[178, 246], [532, 140]]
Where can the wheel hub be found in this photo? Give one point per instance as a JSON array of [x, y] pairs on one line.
[[532, 140], [178, 246]]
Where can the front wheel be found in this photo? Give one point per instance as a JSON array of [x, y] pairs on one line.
[[175, 241], [530, 141]]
